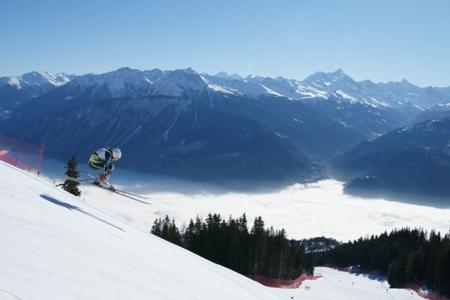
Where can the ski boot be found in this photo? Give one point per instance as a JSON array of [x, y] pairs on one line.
[[103, 180]]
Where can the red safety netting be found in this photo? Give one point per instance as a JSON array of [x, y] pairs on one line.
[[425, 293], [22, 155], [284, 284]]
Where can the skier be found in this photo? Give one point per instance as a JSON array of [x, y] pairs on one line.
[[102, 159]]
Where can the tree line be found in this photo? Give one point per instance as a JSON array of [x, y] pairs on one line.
[[405, 255], [258, 251]]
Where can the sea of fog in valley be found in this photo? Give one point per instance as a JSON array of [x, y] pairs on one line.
[[304, 210]]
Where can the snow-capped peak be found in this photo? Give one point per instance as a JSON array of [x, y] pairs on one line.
[[40, 78], [120, 82], [36, 79], [57, 79], [14, 81], [128, 82], [131, 82]]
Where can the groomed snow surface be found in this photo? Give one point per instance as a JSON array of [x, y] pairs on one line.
[[57, 246], [339, 285]]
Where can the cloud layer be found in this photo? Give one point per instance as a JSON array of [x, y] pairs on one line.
[[318, 209]]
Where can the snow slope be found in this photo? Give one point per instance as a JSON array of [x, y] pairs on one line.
[[344, 286], [56, 246]]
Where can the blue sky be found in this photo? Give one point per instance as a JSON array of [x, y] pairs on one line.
[[379, 40]]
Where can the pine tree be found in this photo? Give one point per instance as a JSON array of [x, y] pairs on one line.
[[157, 227], [258, 252], [259, 247], [71, 184]]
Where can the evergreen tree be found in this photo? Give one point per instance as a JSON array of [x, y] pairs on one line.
[[397, 272], [157, 227], [71, 184], [167, 229], [260, 252], [259, 247], [406, 255]]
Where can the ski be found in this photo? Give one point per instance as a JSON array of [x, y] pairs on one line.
[[121, 193], [132, 194], [130, 197]]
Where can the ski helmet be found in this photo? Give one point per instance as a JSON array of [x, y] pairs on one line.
[[116, 154]]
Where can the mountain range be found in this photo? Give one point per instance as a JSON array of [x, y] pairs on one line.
[[412, 161], [320, 85], [222, 127]]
